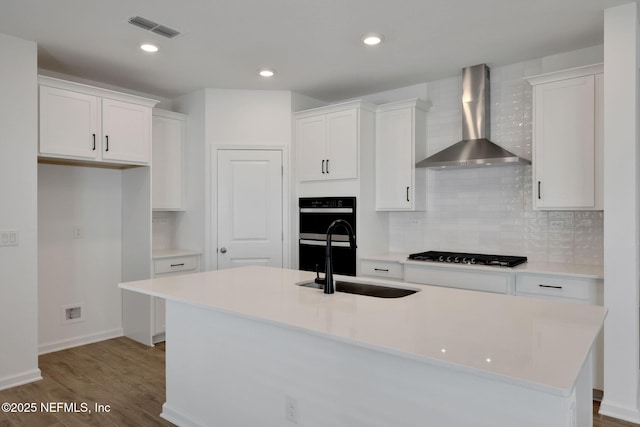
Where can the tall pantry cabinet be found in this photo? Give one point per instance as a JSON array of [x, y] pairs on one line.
[[94, 209]]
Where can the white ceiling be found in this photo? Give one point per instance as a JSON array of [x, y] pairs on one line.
[[313, 44]]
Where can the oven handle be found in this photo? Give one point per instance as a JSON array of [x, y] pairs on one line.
[[324, 243], [323, 237], [326, 210]]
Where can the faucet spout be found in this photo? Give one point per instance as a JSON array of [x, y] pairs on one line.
[[329, 285]]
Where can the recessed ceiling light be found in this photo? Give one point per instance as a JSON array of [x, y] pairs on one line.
[[149, 47], [372, 39], [266, 72]]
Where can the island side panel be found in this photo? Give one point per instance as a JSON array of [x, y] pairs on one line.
[[224, 369]]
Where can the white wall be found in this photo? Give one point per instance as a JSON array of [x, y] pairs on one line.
[[223, 117], [621, 202], [81, 270], [18, 186], [490, 209]]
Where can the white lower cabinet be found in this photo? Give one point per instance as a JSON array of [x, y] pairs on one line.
[[464, 277], [581, 290], [163, 267], [144, 315]]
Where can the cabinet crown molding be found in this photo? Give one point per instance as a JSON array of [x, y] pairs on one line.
[[337, 107], [409, 103], [570, 73], [96, 91]]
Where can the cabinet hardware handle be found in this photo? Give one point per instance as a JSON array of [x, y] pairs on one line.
[[539, 194], [323, 166], [408, 194], [327, 165], [381, 269], [177, 265], [107, 138], [94, 142], [550, 286]]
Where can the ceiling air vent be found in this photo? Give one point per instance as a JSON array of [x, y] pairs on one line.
[[165, 31], [149, 25]]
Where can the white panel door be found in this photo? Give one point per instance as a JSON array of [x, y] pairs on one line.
[[249, 208]]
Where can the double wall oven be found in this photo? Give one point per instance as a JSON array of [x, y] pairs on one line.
[[316, 214]]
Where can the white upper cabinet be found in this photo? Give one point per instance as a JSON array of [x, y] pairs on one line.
[[85, 123], [69, 123], [567, 139], [327, 142], [166, 165], [126, 131], [400, 141]]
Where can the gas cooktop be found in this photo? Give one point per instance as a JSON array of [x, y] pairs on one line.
[[467, 258]]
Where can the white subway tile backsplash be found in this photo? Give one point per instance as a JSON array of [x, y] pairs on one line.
[[490, 209]]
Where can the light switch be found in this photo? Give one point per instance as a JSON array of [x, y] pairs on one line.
[[8, 238]]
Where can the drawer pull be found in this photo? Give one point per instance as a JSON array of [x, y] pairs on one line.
[[382, 269], [182, 265], [550, 286]]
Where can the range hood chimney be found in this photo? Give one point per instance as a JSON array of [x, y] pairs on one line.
[[475, 149]]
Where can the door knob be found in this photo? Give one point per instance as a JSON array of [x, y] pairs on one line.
[[223, 250]]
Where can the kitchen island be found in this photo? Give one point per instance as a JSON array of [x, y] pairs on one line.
[[247, 346]]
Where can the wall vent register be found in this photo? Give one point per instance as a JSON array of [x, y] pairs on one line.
[[469, 258]]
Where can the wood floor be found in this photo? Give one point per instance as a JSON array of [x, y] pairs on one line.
[[127, 376]]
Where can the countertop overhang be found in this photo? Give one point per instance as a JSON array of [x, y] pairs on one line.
[[532, 343]]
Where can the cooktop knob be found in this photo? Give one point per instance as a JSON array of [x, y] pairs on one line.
[[456, 259], [449, 259], [441, 258], [472, 261]]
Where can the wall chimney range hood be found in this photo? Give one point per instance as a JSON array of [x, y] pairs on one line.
[[475, 149]]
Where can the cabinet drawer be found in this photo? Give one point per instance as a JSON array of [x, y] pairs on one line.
[[390, 270], [171, 265], [554, 286]]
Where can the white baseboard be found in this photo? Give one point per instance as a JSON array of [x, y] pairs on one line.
[[177, 418], [610, 409], [78, 341], [20, 379]]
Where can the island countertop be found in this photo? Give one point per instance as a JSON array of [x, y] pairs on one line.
[[528, 342]]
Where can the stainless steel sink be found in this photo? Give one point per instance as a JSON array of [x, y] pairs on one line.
[[367, 289]]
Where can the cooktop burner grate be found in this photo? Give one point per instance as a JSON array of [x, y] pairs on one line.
[[469, 258]]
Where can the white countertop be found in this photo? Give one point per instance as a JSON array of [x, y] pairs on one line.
[[534, 343], [556, 268], [171, 253]]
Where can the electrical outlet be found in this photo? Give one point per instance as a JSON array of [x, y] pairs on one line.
[[291, 409], [78, 232]]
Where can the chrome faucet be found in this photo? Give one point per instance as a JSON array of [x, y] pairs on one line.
[[329, 286]]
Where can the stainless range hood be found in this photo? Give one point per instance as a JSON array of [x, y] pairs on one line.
[[475, 149]]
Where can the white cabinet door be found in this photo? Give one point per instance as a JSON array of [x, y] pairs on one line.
[[327, 145], [342, 145], [567, 140], [311, 146], [400, 141], [168, 133], [126, 131], [69, 123], [394, 158]]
